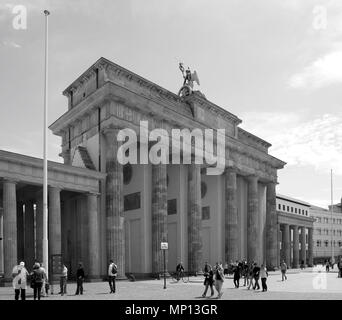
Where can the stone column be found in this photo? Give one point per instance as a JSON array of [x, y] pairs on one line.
[[253, 232], [29, 253], [286, 244], [271, 227], [303, 245], [159, 216], [310, 247], [55, 230], [231, 216], [10, 228], [93, 235], [114, 203], [295, 247], [21, 230], [1, 237], [39, 227], [194, 219]]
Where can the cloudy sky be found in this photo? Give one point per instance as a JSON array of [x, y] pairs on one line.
[[276, 64]]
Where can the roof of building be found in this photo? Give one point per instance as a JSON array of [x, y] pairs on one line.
[[287, 198]]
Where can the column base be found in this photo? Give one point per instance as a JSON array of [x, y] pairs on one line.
[[6, 282]]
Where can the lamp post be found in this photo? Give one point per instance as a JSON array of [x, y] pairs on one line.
[[45, 172]]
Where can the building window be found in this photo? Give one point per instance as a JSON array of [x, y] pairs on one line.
[[132, 201], [206, 213], [318, 243], [279, 206], [291, 209], [319, 231], [295, 210], [288, 209], [326, 243], [203, 189], [283, 207], [172, 206], [334, 220]]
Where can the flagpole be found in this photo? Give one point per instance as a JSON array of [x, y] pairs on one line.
[[331, 213], [45, 171]]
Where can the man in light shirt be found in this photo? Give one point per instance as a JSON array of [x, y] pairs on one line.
[[19, 274], [63, 280], [112, 273]]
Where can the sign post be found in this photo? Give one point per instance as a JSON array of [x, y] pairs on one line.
[[164, 246]]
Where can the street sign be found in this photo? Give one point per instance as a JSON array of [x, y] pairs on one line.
[[164, 246]]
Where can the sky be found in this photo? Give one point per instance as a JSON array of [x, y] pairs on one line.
[[275, 64]]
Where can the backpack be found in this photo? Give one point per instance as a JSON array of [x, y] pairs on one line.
[[114, 269]]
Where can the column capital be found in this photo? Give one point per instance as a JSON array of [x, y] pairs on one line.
[[110, 130], [55, 188], [231, 170], [10, 180], [253, 177]]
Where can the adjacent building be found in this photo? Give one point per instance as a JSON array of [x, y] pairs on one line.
[[100, 209], [327, 232], [295, 233]]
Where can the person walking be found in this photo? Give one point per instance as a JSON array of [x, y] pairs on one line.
[[256, 274], [219, 279], [237, 273], [79, 279], [250, 275], [283, 269], [45, 284], [19, 274], [63, 281], [38, 275], [245, 273], [208, 279], [339, 266], [263, 277], [112, 273], [179, 270], [327, 265]]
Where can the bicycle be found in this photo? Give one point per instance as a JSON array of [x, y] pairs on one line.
[[176, 276]]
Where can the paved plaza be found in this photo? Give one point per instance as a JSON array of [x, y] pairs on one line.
[[301, 285]]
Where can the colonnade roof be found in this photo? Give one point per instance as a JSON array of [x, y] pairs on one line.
[[25, 169]]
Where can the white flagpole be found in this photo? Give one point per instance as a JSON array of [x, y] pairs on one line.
[[331, 213], [45, 171]]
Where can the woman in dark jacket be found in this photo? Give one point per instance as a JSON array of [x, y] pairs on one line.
[[80, 279], [208, 279], [37, 277]]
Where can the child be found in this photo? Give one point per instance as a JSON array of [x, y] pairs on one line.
[[263, 276]]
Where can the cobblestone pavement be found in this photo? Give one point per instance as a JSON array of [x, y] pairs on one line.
[[303, 285]]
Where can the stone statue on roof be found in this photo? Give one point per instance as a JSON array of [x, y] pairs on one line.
[[189, 79]]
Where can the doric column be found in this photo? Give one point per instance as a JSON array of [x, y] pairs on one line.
[[20, 232], [271, 227], [295, 247], [55, 228], [194, 219], [39, 227], [9, 227], [231, 217], [114, 203], [29, 253], [1, 237], [286, 245], [253, 220], [93, 237], [310, 247], [303, 245], [159, 216]]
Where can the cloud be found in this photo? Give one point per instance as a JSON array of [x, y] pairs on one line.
[[323, 72], [11, 44], [299, 142]]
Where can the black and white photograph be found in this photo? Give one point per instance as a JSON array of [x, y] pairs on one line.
[[170, 156]]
